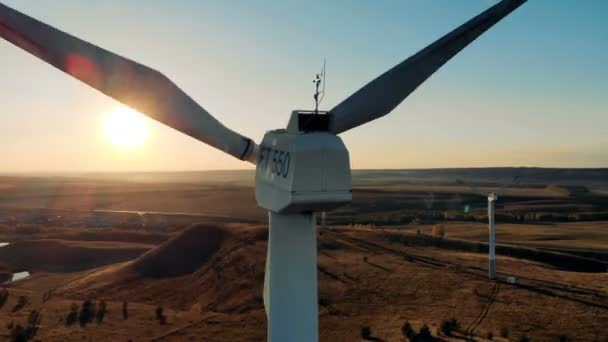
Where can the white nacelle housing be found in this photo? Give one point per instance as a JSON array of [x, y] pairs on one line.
[[302, 172]]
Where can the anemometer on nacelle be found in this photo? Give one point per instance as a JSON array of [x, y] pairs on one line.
[[304, 168]]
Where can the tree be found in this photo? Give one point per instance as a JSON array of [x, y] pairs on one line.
[[424, 333], [125, 310], [160, 316], [93, 312], [366, 332], [21, 302], [18, 334], [448, 326], [33, 320], [72, 315], [86, 313], [3, 296], [101, 311], [408, 331]]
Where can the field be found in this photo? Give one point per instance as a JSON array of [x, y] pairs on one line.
[[195, 244]]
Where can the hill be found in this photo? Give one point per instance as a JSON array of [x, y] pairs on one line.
[[205, 265]]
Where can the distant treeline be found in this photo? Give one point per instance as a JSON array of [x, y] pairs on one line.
[[431, 217]]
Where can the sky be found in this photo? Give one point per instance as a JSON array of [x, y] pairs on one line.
[[532, 91]]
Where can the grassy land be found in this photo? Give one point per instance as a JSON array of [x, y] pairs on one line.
[[378, 268]]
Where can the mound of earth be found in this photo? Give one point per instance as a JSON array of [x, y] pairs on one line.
[[62, 256], [182, 254], [206, 265]]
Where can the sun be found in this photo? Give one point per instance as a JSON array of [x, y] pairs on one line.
[[125, 128]]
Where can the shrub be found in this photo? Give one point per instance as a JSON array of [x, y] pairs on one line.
[[86, 313], [33, 320], [408, 331], [424, 332], [455, 324], [3, 297], [160, 316], [323, 301], [21, 302], [72, 316], [366, 333], [18, 334], [438, 230], [448, 326], [504, 332], [101, 311], [93, 311], [125, 310]]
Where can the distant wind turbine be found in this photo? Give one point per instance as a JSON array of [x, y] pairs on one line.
[[492, 198]]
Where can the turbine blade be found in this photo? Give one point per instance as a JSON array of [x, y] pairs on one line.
[[135, 85], [383, 94]]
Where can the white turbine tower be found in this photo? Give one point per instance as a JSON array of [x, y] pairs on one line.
[[492, 198], [300, 170]]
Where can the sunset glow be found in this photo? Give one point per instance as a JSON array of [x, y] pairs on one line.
[[125, 128]]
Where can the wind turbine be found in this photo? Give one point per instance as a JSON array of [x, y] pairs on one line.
[[492, 198], [300, 170]]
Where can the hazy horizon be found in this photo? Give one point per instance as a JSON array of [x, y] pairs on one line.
[[528, 92], [81, 172]]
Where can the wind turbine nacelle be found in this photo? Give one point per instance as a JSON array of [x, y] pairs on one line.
[[302, 172]]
